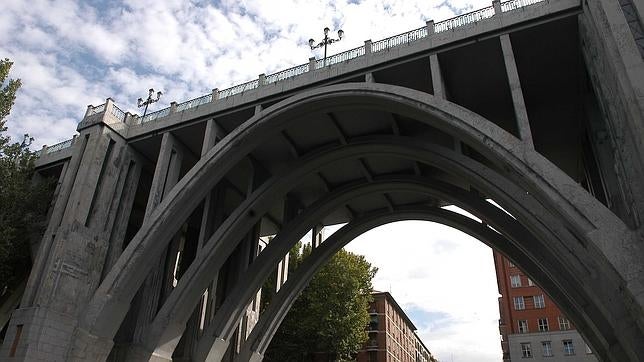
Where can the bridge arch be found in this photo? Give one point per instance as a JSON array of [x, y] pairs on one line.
[[585, 224]]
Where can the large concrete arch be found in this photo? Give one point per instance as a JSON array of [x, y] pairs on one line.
[[259, 339], [616, 249], [222, 328]]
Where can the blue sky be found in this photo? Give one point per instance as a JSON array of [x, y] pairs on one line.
[[72, 53]]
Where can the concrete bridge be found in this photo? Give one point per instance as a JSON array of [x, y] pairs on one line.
[[154, 248]]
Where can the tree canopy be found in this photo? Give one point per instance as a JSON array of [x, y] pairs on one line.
[[24, 202], [330, 315]]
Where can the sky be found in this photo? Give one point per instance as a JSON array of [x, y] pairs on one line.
[[70, 54]]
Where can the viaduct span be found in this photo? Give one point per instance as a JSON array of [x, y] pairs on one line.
[[155, 247]]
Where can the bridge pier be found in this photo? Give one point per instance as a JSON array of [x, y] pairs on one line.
[[74, 250]]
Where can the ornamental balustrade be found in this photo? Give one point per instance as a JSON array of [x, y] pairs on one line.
[[287, 73], [517, 4], [400, 39], [377, 46]]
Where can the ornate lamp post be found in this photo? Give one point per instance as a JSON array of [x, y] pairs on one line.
[[326, 41], [148, 101]]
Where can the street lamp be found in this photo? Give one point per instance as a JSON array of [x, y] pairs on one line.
[[148, 101], [326, 41]]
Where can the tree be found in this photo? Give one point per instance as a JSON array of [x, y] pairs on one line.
[[23, 202], [330, 315]]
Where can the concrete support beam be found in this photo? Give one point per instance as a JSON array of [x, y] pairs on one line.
[[166, 175], [437, 77], [520, 111]]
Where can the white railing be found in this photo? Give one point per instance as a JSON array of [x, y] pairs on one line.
[[517, 4], [340, 57], [464, 19], [155, 115], [239, 88], [194, 102], [55, 148], [380, 45], [96, 110], [118, 113], [287, 73], [396, 40]]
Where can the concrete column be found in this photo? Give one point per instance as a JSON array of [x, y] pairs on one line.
[[166, 175], [367, 47], [520, 112], [317, 236], [437, 77], [211, 217], [69, 263], [290, 211], [312, 64]]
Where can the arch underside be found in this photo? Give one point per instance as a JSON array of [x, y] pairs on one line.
[[568, 242]]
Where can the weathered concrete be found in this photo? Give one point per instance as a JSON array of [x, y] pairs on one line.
[[261, 178]]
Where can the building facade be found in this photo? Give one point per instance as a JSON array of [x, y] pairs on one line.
[[392, 335], [531, 325]]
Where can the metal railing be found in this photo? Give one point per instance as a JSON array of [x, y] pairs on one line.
[[287, 73], [396, 40], [464, 19], [194, 102], [380, 45], [236, 89], [118, 113], [96, 110], [517, 4]]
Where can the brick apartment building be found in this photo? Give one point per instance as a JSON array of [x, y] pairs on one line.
[[392, 335], [532, 327]]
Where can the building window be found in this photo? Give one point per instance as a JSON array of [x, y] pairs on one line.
[[526, 350], [530, 283], [518, 303], [546, 348], [515, 281], [523, 326], [569, 348], [539, 301], [543, 324], [564, 324]]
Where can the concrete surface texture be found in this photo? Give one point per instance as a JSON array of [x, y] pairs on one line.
[[165, 227]]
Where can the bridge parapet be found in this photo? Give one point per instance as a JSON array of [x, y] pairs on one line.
[[369, 48]]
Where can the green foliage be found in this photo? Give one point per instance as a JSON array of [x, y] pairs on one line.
[[23, 202], [330, 315]]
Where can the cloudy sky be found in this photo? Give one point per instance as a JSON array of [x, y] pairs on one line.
[[73, 53]]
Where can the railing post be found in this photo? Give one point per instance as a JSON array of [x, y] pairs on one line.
[[89, 109], [311, 64], [497, 6], [430, 27], [173, 107], [129, 117], [109, 102], [367, 47], [215, 94], [262, 80], [44, 150]]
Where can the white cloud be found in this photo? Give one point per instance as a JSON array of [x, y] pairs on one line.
[[434, 270]]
